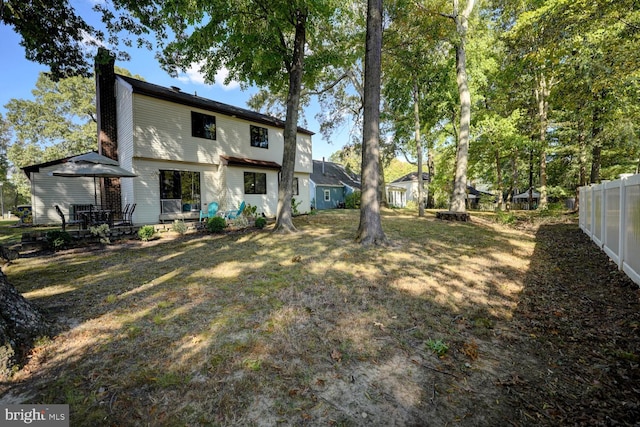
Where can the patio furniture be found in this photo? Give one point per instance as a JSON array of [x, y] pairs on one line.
[[234, 213], [211, 211], [127, 218], [95, 215], [70, 221]]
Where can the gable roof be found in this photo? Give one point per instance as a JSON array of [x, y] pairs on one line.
[[413, 177], [174, 94], [329, 173]]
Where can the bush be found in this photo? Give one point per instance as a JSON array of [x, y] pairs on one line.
[[101, 231], [179, 226], [250, 211], [216, 224], [352, 201], [146, 232], [294, 206], [58, 239], [260, 222], [505, 218]]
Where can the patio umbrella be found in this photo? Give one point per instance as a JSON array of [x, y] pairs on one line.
[[92, 165]]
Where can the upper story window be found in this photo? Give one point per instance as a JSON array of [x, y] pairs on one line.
[[259, 137], [203, 125]]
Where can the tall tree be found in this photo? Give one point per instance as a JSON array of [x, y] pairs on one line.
[[461, 19], [52, 34], [278, 44], [370, 228]]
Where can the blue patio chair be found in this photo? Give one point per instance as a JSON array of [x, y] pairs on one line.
[[234, 213], [211, 211]]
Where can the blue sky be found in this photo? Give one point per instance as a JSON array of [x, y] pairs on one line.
[[18, 77]]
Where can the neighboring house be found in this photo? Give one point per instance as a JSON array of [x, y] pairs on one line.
[[405, 189], [331, 183], [521, 201], [186, 151]]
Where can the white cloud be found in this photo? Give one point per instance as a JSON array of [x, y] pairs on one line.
[[194, 76]]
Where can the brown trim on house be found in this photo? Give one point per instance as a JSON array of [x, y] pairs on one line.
[[239, 161]]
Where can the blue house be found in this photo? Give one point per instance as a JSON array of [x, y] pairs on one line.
[[330, 184]]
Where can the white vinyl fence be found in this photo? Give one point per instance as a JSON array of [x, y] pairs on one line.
[[610, 215]]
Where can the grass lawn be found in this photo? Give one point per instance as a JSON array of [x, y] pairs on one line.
[[302, 329]]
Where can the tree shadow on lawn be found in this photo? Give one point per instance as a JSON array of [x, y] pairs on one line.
[[261, 329]]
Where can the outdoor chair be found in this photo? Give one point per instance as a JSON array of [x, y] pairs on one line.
[[211, 211], [234, 213], [71, 221], [121, 216], [127, 217]]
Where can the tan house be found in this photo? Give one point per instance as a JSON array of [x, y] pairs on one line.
[[186, 151]]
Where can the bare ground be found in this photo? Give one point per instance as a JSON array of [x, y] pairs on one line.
[[540, 329]]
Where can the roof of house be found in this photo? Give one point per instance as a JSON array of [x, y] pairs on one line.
[[329, 173], [174, 94], [413, 177], [241, 161]]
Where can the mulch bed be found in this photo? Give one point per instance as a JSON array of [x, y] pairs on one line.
[[579, 319]]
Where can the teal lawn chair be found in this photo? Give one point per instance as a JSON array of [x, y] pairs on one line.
[[233, 214], [211, 211]]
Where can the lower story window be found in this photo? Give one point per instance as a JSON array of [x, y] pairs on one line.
[[179, 191], [296, 187], [327, 195], [255, 183]]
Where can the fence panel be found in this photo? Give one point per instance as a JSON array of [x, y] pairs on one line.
[[631, 235], [610, 216], [612, 220]]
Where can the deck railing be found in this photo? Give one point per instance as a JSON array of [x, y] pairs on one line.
[[610, 215]]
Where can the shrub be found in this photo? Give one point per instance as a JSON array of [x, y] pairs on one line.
[[249, 211], [216, 224], [294, 206], [146, 232], [58, 239], [260, 222], [505, 218], [179, 226], [101, 231], [352, 201]]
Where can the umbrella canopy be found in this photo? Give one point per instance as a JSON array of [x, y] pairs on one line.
[[93, 157], [92, 165]]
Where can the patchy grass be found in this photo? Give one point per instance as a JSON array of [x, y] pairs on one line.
[[308, 328]]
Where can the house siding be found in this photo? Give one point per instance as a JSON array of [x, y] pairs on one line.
[[146, 187], [337, 194], [49, 191], [163, 131], [125, 117]]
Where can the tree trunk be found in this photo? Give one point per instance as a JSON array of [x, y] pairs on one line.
[[20, 324], [542, 95], [370, 228], [284, 216], [499, 178], [416, 117], [462, 156], [596, 130]]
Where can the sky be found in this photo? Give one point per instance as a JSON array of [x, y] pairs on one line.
[[18, 77]]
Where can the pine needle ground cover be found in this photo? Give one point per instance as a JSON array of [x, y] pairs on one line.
[[451, 323]]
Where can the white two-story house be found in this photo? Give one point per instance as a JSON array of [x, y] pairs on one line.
[[187, 151]]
